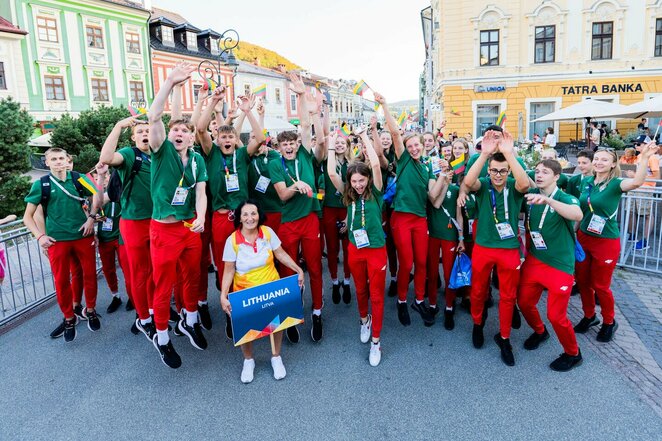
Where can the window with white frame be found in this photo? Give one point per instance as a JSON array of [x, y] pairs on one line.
[[486, 115], [137, 91], [196, 92], [278, 99], [99, 89], [538, 110], [167, 36], [94, 36], [247, 89], [54, 88], [192, 41], [47, 29], [293, 102], [132, 43]]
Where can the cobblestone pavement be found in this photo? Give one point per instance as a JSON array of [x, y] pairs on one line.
[[636, 350]]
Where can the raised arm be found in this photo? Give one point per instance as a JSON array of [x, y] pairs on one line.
[[176, 102], [507, 147], [245, 105], [392, 126], [299, 88], [203, 95], [202, 125], [640, 176], [108, 154], [489, 146], [332, 163], [438, 186], [319, 150], [157, 133], [375, 166]]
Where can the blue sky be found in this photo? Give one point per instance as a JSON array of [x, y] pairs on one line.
[[380, 42]]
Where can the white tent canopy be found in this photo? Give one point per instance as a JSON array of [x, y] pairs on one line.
[[273, 126], [589, 108], [651, 108], [41, 141]]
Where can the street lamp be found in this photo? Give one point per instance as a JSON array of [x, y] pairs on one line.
[[226, 43]]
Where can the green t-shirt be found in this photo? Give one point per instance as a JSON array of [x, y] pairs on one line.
[[269, 200], [575, 184], [139, 205], [562, 183], [65, 214], [556, 232], [413, 178], [237, 163], [483, 172], [112, 211], [604, 200], [332, 197], [373, 219], [440, 226], [288, 172], [167, 172], [488, 236]]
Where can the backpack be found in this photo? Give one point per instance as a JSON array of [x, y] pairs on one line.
[[46, 190], [115, 185]]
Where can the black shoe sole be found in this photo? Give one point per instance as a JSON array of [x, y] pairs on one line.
[[156, 345], [184, 332], [603, 340], [478, 340], [579, 330], [506, 359]]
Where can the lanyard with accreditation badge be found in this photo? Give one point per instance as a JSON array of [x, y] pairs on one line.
[[536, 236], [504, 229], [263, 182], [360, 235], [597, 223], [231, 180], [182, 192]]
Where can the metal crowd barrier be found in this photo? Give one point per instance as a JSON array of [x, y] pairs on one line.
[[640, 217], [28, 280]]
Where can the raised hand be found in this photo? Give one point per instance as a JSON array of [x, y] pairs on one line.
[[181, 72], [380, 98], [260, 107], [649, 149], [506, 143], [490, 143], [536, 198], [297, 85], [244, 104]]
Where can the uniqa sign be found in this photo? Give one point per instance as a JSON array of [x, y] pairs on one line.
[[605, 88], [489, 88]]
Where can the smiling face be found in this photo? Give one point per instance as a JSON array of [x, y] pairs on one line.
[[446, 152], [498, 172], [288, 149], [428, 142], [250, 217], [603, 162], [140, 136], [358, 182], [341, 146], [227, 141], [414, 146], [458, 149], [386, 140], [181, 136]]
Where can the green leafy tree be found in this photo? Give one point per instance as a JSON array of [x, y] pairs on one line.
[[67, 135], [15, 129]]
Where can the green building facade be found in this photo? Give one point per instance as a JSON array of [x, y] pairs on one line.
[[82, 54]]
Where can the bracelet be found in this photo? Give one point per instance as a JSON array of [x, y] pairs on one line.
[[460, 238], [40, 236], [331, 150], [92, 216]]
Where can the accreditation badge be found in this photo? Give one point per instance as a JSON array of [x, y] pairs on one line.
[[538, 241], [232, 182], [180, 196], [107, 224], [361, 238], [505, 230], [262, 184], [597, 224]]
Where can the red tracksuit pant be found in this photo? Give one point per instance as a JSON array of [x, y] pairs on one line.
[[77, 279], [534, 278], [273, 222], [170, 244], [222, 227], [60, 255], [205, 258], [305, 232], [594, 274], [108, 252], [447, 249], [368, 267], [136, 236], [410, 233], [390, 244], [507, 262], [124, 264], [332, 238]]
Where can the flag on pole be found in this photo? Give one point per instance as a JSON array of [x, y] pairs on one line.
[[377, 106], [360, 87], [455, 112], [458, 165], [501, 120], [137, 111], [211, 85], [91, 188], [261, 91], [402, 119], [344, 131]]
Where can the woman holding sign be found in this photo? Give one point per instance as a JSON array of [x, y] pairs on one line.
[[249, 261], [362, 194]]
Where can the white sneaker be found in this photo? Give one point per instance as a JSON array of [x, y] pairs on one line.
[[365, 330], [247, 371], [278, 367], [375, 354]]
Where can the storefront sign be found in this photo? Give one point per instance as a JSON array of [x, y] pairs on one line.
[[489, 88], [605, 88]]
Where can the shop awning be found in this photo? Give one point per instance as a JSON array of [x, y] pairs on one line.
[[590, 108], [651, 108]]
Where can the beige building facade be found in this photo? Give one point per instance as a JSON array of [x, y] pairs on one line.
[[528, 58]]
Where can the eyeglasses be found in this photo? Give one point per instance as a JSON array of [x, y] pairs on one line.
[[495, 172]]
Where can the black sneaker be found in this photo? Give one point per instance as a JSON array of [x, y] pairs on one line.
[[205, 316], [433, 310], [428, 319], [346, 293], [147, 329], [393, 289], [316, 330], [80, 312], [169, 356], [606, 332], [585, 323], [292, 334], [70, 330], [134, 328], [194, 333], [506, 350], [129, 305], [477, 337], [218, 281], [466, 304], [210, 268], [174, 316], [575, 291], [535, 339], [93, 322], [228, 327], [335, 293], [566, 362], [449, 319], [403, 314], [114, 305], [516, 322], [59, 331]]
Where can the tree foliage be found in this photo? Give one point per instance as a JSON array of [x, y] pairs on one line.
[[248, 52], [15, 130]]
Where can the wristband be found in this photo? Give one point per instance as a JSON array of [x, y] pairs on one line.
[[460, 238], [40, 236], [92, 216], [331, 150]]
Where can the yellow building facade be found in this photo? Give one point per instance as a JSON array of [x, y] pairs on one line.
[[528, 58]]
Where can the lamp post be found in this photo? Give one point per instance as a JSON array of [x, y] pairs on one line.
[[226, 43]]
